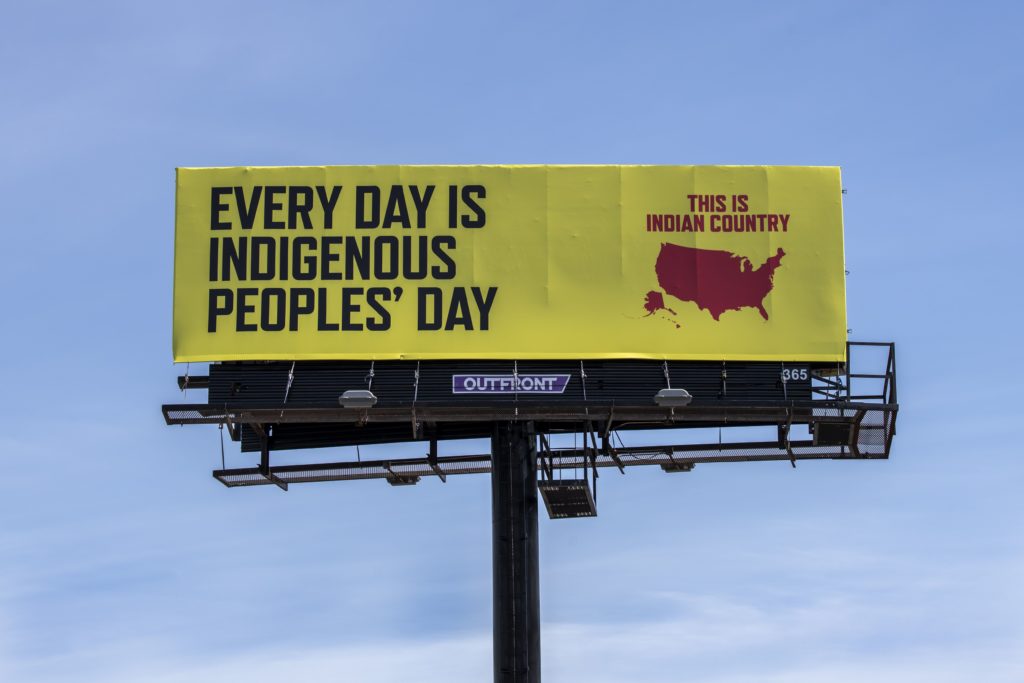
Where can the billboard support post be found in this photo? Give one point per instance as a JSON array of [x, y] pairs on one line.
[[515, 551]]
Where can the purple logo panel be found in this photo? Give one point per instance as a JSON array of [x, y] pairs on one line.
[[509, 384]]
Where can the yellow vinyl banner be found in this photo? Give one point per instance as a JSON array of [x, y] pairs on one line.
[[509, 262]]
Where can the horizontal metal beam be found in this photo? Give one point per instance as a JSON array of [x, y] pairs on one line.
[[199, 413], [670, 456], [193, 382]]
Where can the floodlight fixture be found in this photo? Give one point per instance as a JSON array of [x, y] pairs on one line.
[[397, 478], [357, 398], [673, 398], [675, 466]]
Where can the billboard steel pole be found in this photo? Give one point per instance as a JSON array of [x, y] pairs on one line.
[[515, 553]]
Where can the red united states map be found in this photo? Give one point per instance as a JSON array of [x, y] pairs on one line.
[[717, 281]]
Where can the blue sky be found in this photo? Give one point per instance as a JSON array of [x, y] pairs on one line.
[[122, 560]]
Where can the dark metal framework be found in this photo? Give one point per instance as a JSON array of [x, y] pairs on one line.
[[816, 411], [846, 412]]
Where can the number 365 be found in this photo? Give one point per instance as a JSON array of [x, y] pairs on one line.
[[794, 374]]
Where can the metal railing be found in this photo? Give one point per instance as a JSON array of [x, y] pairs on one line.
[[852, 382]]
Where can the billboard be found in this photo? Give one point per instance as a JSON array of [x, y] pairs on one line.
[[509, 262]]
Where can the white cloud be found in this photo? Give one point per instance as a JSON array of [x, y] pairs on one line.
[[709, 641]]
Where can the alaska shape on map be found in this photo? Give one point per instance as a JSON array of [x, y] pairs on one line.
[[717, 281]]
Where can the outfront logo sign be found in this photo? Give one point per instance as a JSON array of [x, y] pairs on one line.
[[509, 384]]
